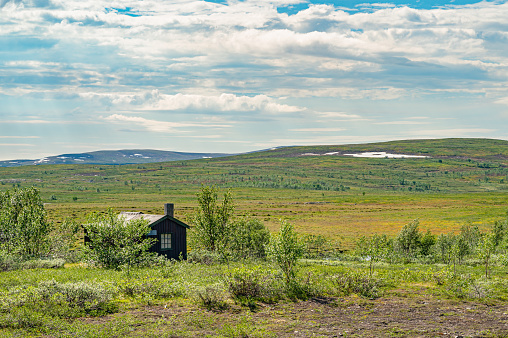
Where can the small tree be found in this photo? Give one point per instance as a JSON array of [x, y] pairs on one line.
[[113, 242], [471, 235], [499, 232], [315, 245], [486, 249], [427, 241], [24, 229], [212, 222], [64, 239], [373, 248], [249, 238], [408, 239], [285, 249], [443, 247]]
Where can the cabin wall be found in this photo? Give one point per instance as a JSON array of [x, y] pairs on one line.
[[178, 239]]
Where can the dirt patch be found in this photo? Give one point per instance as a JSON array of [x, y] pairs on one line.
[[414, 316]]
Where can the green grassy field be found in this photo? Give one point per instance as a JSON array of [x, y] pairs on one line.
[[463, 180], [405, 301]]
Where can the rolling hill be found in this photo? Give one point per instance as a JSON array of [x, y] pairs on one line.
[[131, 156]]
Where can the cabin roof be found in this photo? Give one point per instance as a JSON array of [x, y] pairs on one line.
[[152, 219]]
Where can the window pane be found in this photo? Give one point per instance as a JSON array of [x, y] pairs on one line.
[[165, 241]]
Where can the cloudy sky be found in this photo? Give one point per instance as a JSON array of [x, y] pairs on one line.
[[235, 76]]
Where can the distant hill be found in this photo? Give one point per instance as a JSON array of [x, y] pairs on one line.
[[477, 149], [131, 156], [459, 148]]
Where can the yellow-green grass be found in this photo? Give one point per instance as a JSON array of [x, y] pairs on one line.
[[336, 196], [336, 216]]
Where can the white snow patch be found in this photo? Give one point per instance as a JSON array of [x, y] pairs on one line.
[[42, 160], [383, 154], [206, 157], [310, 154], [333, 153], [78, 159], [62, 157]]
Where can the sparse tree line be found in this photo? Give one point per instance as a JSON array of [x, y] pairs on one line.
[[217, 235]]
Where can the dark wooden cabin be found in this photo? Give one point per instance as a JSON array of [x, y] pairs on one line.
[[171, 234]]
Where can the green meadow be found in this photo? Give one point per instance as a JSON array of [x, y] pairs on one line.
[[338, 196], [321, 191]]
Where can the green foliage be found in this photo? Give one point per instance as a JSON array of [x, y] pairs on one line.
[[408, 240], [317, 246], [486, 248], [285, 249], [53, 299], [11, 262], [212, 222], [443, 248], [356, 283], [43, 264], [499, 231], [8, 261], [373, 249], [212, 298], [249, 285], [203, 257], [150, 288], [471, 235], [114, 243], [64, 240], [426, 242], [24, 229], [249, 238]]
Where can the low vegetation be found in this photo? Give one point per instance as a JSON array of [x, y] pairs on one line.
[[248, 275]]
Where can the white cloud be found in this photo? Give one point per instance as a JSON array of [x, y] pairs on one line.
[[224, 102], [243, 60], [503, 100], [16, 145], [319, 130], [157, 126], [401, 122], [340, 115]]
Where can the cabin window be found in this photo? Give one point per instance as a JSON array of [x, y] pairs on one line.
[[152, 233], [165, 241]]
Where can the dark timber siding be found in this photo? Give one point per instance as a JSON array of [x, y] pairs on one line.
[[178, 238]]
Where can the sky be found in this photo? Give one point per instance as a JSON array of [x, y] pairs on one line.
[[238, 76]]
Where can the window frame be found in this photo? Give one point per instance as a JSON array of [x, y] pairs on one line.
[[170, 234]]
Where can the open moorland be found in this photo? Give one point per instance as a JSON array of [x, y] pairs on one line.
[[319, 189], [451, 281]]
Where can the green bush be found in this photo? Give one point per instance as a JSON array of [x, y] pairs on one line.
[[204, 257], [357, 283], [115, 243], [249, 238], [212, 298], [285, 249], [23, 225], [248, 285], [43, 264], [8, 262], [63, 300], [151, 288]]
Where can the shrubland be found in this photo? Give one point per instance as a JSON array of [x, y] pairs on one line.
[[249, 258]]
